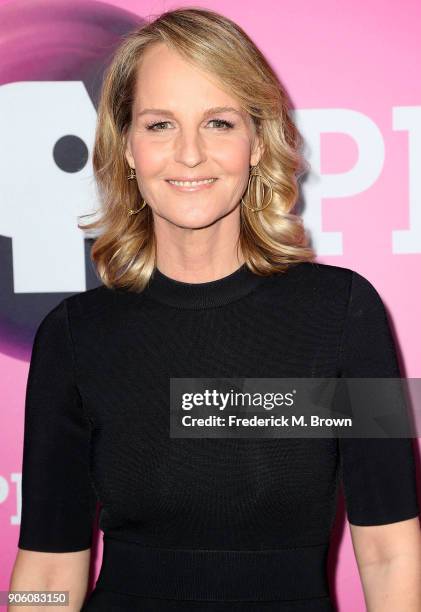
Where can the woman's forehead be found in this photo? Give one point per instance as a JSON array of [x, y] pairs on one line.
[[175, 87], [163, 72]]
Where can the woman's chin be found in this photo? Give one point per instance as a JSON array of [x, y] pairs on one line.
[[194, 219]]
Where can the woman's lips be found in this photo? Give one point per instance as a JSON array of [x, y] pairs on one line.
[[189, 188]]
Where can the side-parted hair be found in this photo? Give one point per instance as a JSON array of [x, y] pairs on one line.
[[124, 250]]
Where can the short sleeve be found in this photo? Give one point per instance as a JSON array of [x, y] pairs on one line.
[[58, 500], [378, 474]]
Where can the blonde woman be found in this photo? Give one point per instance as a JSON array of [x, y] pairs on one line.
[[206, 272]]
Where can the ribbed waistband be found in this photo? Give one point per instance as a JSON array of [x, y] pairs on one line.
[[214, 575]]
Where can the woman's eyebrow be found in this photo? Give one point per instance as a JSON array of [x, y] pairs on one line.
[[209, 111]]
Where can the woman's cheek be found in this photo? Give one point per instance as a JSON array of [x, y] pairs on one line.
[[149, 159], [234, 157]]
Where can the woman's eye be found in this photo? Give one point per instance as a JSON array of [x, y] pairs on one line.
[[152, 126], [226, 124], [221, 124]]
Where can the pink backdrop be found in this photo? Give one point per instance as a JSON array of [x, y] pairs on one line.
[[352, 71]]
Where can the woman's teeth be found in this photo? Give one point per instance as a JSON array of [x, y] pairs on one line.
[[191, 183]]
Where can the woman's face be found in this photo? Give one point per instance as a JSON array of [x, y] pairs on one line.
[[185, 140]]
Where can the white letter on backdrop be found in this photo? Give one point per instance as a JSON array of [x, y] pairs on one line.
[[316, 186], [39, 201], [408, 118]]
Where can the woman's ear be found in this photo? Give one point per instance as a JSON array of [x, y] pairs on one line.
[[128, 150], [256, 150]]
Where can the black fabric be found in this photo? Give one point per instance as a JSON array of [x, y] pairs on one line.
[[103, 600], [214, 575], [97, 428]]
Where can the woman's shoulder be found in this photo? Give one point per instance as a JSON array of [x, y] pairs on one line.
[[333, 275], [321, 271], [96, 301], [330, 283], [90, 307], [310, 275], [57, 320]]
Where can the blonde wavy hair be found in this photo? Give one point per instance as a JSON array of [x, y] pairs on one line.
[[124, 251]]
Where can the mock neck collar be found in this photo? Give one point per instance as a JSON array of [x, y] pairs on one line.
[[202, 295]]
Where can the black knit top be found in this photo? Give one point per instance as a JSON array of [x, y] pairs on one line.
[[210, 520]]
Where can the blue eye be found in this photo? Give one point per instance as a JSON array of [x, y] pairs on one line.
[[151, 126], [154, 127], [227, 124]]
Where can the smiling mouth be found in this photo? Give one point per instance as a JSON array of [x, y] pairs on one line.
[[191, 183]]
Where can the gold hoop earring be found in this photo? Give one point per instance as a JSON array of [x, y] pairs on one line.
[[267, 182], [130, 177], [134, 212]]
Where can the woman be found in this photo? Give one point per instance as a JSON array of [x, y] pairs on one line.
[[206, 273]]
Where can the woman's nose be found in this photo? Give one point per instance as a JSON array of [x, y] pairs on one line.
[[190, 148]]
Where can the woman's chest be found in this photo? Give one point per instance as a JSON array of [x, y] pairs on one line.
[[141, 471]]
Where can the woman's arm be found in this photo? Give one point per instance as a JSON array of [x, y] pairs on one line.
[[41, 571], [389, 563], [58, 496], [378, 474]]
